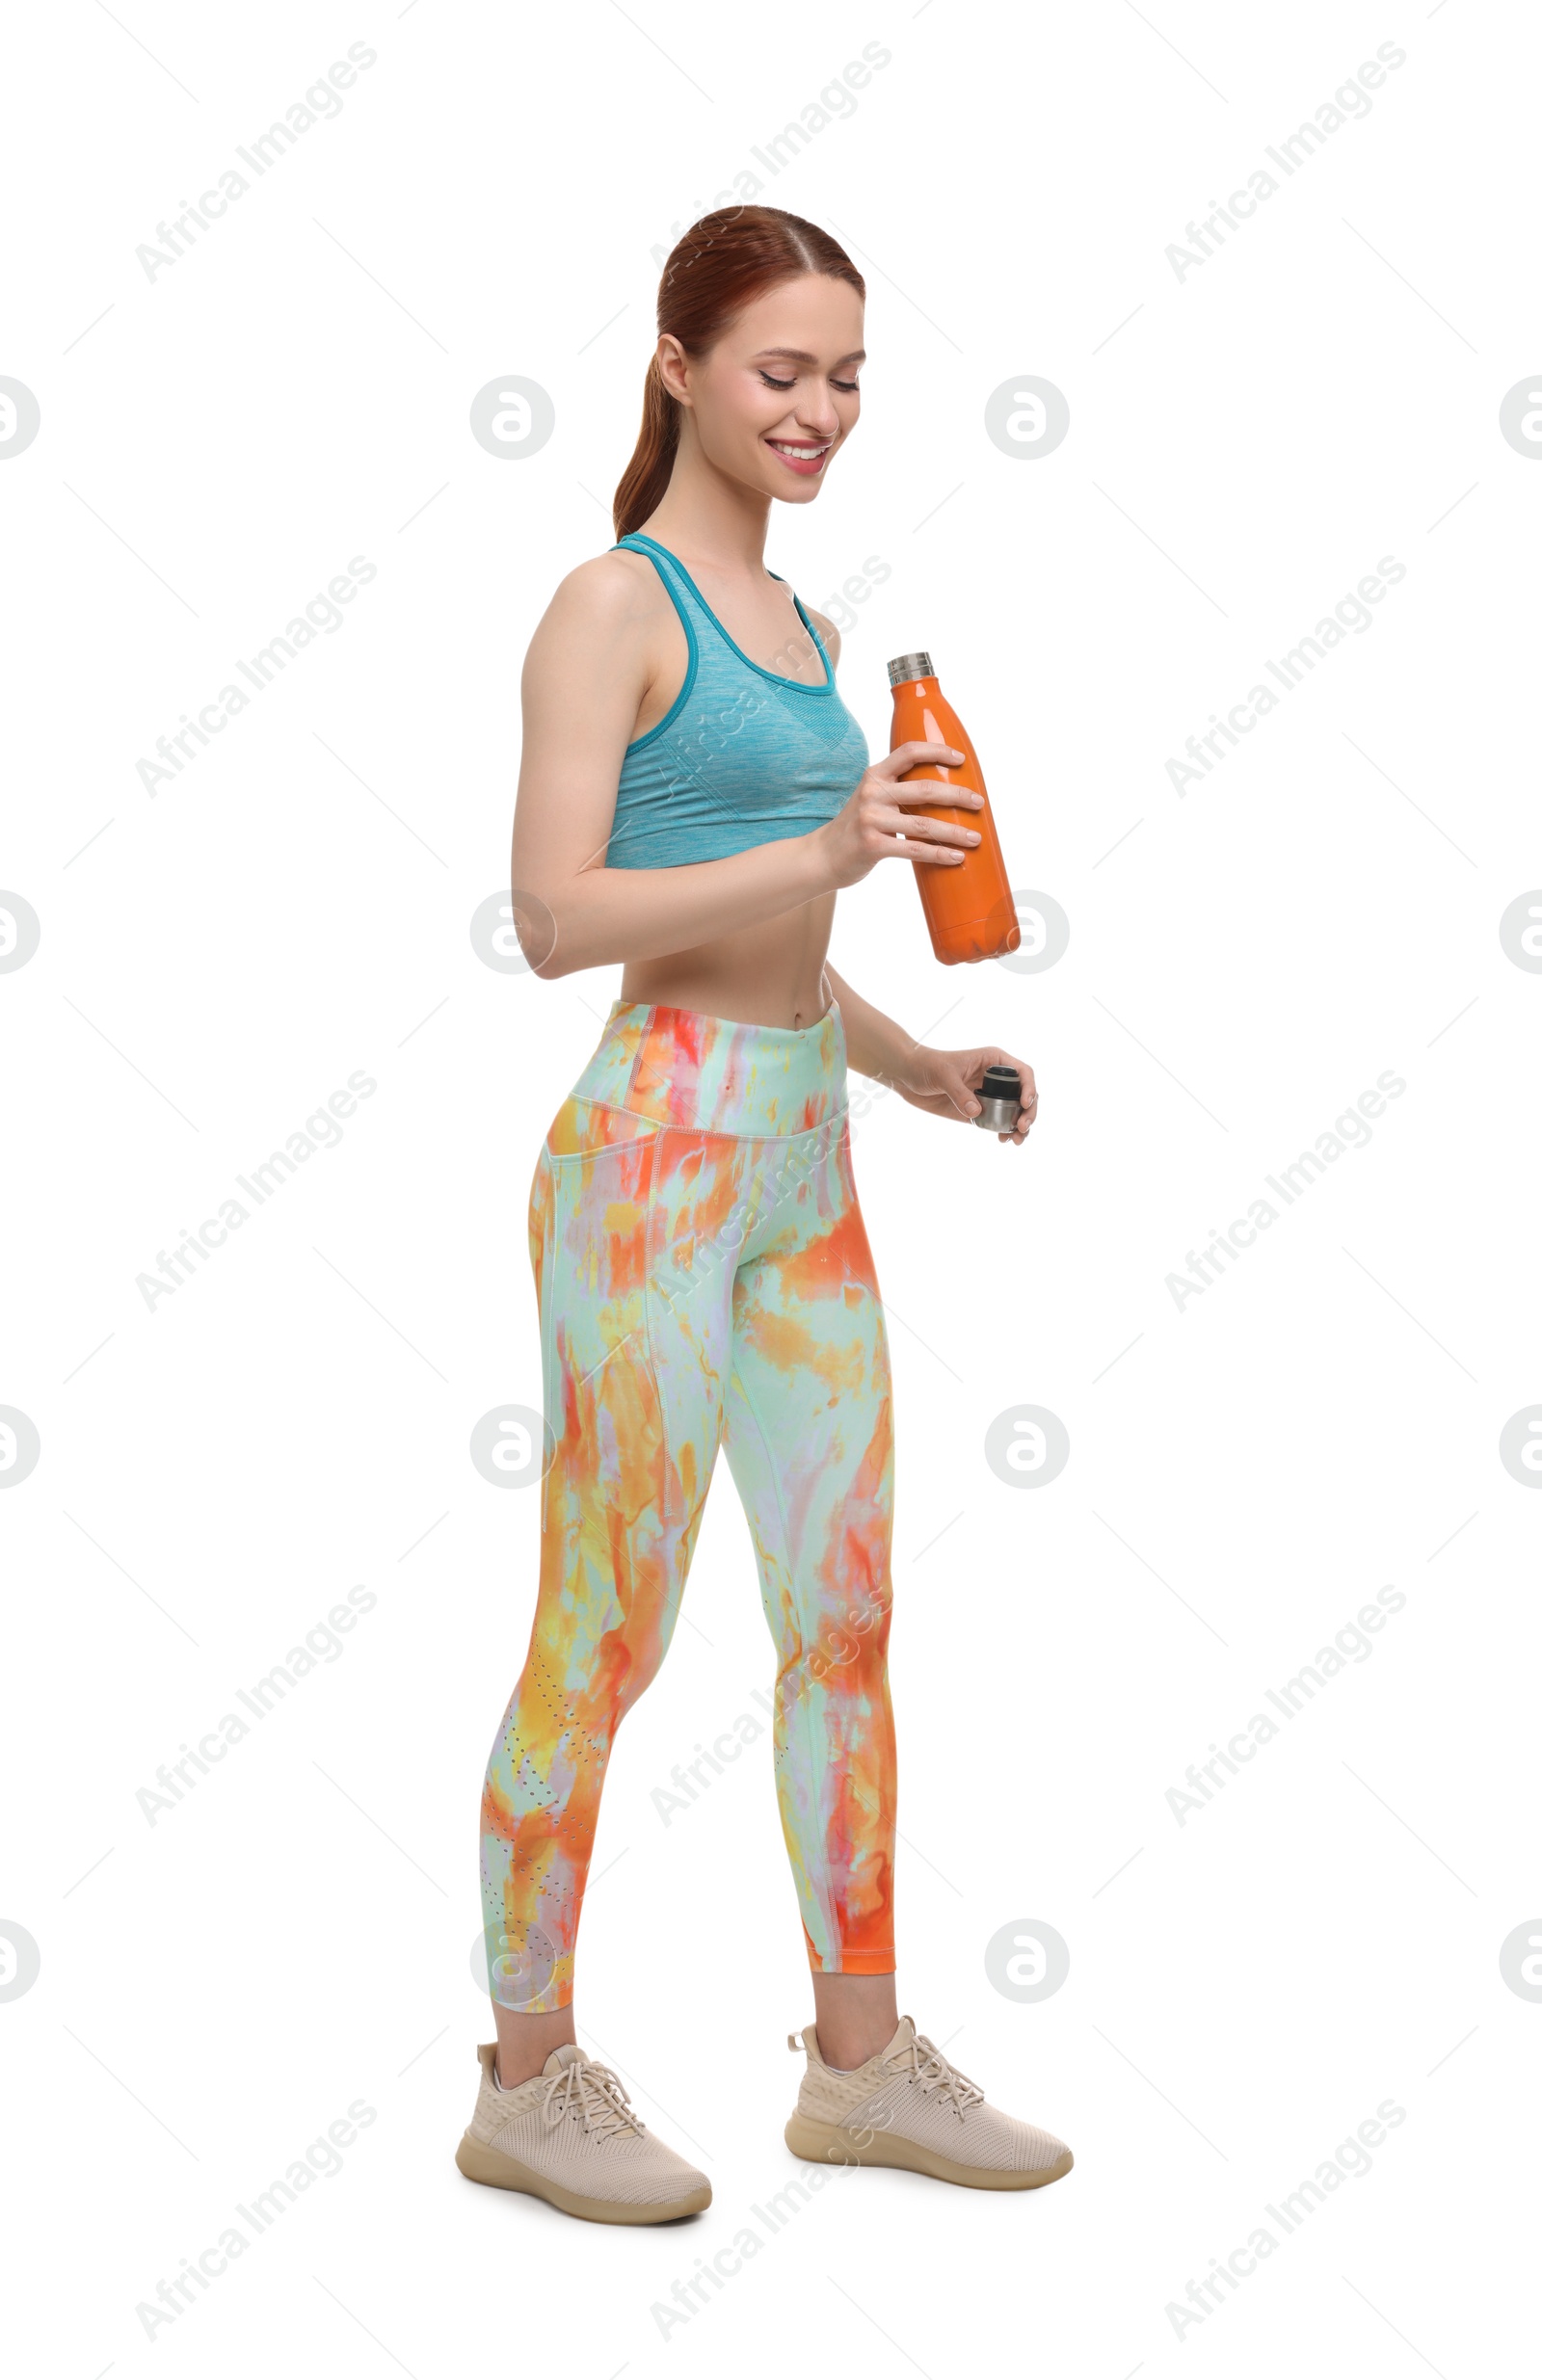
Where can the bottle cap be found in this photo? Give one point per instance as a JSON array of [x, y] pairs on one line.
[[1000, 1099], [910, 665]]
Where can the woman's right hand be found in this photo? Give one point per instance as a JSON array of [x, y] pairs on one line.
[[879, 821]]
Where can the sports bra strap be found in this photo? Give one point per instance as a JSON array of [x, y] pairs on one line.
[[688, 599], [677, 589]]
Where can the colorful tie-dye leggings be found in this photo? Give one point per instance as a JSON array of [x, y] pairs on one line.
[[704, 1278]]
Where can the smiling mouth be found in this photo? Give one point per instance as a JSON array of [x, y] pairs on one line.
[[805, 457]]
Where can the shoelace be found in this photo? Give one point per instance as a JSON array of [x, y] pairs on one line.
[[925, 2063], [595, 2096]]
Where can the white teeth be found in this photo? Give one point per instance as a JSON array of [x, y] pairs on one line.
[[802, 453]]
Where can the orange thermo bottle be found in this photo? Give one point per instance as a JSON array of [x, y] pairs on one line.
[[969, 909]]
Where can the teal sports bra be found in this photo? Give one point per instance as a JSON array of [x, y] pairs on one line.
[[742, 757]]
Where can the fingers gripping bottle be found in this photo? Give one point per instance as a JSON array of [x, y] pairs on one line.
[[969, 910]]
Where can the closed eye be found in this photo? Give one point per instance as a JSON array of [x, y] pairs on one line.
[[847, 388]]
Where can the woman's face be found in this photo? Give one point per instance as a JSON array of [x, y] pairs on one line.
[[776, 395]]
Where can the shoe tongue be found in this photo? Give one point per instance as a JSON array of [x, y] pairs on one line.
[[566, 2053]]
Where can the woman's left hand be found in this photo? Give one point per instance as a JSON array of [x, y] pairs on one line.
[[946, 1082]]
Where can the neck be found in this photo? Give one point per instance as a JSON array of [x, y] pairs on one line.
[[706, 516]]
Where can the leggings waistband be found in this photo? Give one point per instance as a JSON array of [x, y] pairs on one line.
[[681, 1067]]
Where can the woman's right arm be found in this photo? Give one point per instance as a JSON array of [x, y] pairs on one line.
[[585, 676]]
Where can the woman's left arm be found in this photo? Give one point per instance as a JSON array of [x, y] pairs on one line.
[[943, 1082]]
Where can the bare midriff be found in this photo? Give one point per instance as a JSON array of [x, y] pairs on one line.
[[770, 974]]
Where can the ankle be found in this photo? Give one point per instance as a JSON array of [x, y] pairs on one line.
[[510, 2068], [855, 2018], [523, 2050], [844, 2052]]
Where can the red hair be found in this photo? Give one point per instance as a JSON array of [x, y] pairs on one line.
[[720, 266]]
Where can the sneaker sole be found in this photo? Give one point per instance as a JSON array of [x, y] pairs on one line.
[[480, 2164], [823, 2144]]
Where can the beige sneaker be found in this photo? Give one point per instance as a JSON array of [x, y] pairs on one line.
[[908, 2107], [569, 2135]]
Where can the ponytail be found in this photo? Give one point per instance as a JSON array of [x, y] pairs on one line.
[[721, 265], [647, 474]]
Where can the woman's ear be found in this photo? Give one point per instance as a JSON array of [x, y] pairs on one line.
[[671, 367]]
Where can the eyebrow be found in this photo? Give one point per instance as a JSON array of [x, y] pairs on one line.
[[798, 355]]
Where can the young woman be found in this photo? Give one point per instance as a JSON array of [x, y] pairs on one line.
[[693, 795]]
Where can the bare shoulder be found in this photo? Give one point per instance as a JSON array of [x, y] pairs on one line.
[[609, 590], [605, 615], [829, 632]]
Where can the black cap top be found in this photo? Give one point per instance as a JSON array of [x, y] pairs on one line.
[[1001, 1082]]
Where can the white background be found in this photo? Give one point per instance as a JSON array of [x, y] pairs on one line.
[[1246, 1471]]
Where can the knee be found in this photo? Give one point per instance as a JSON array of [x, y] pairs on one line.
[[564, 1688], [638, 1674], [840, 1661]]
